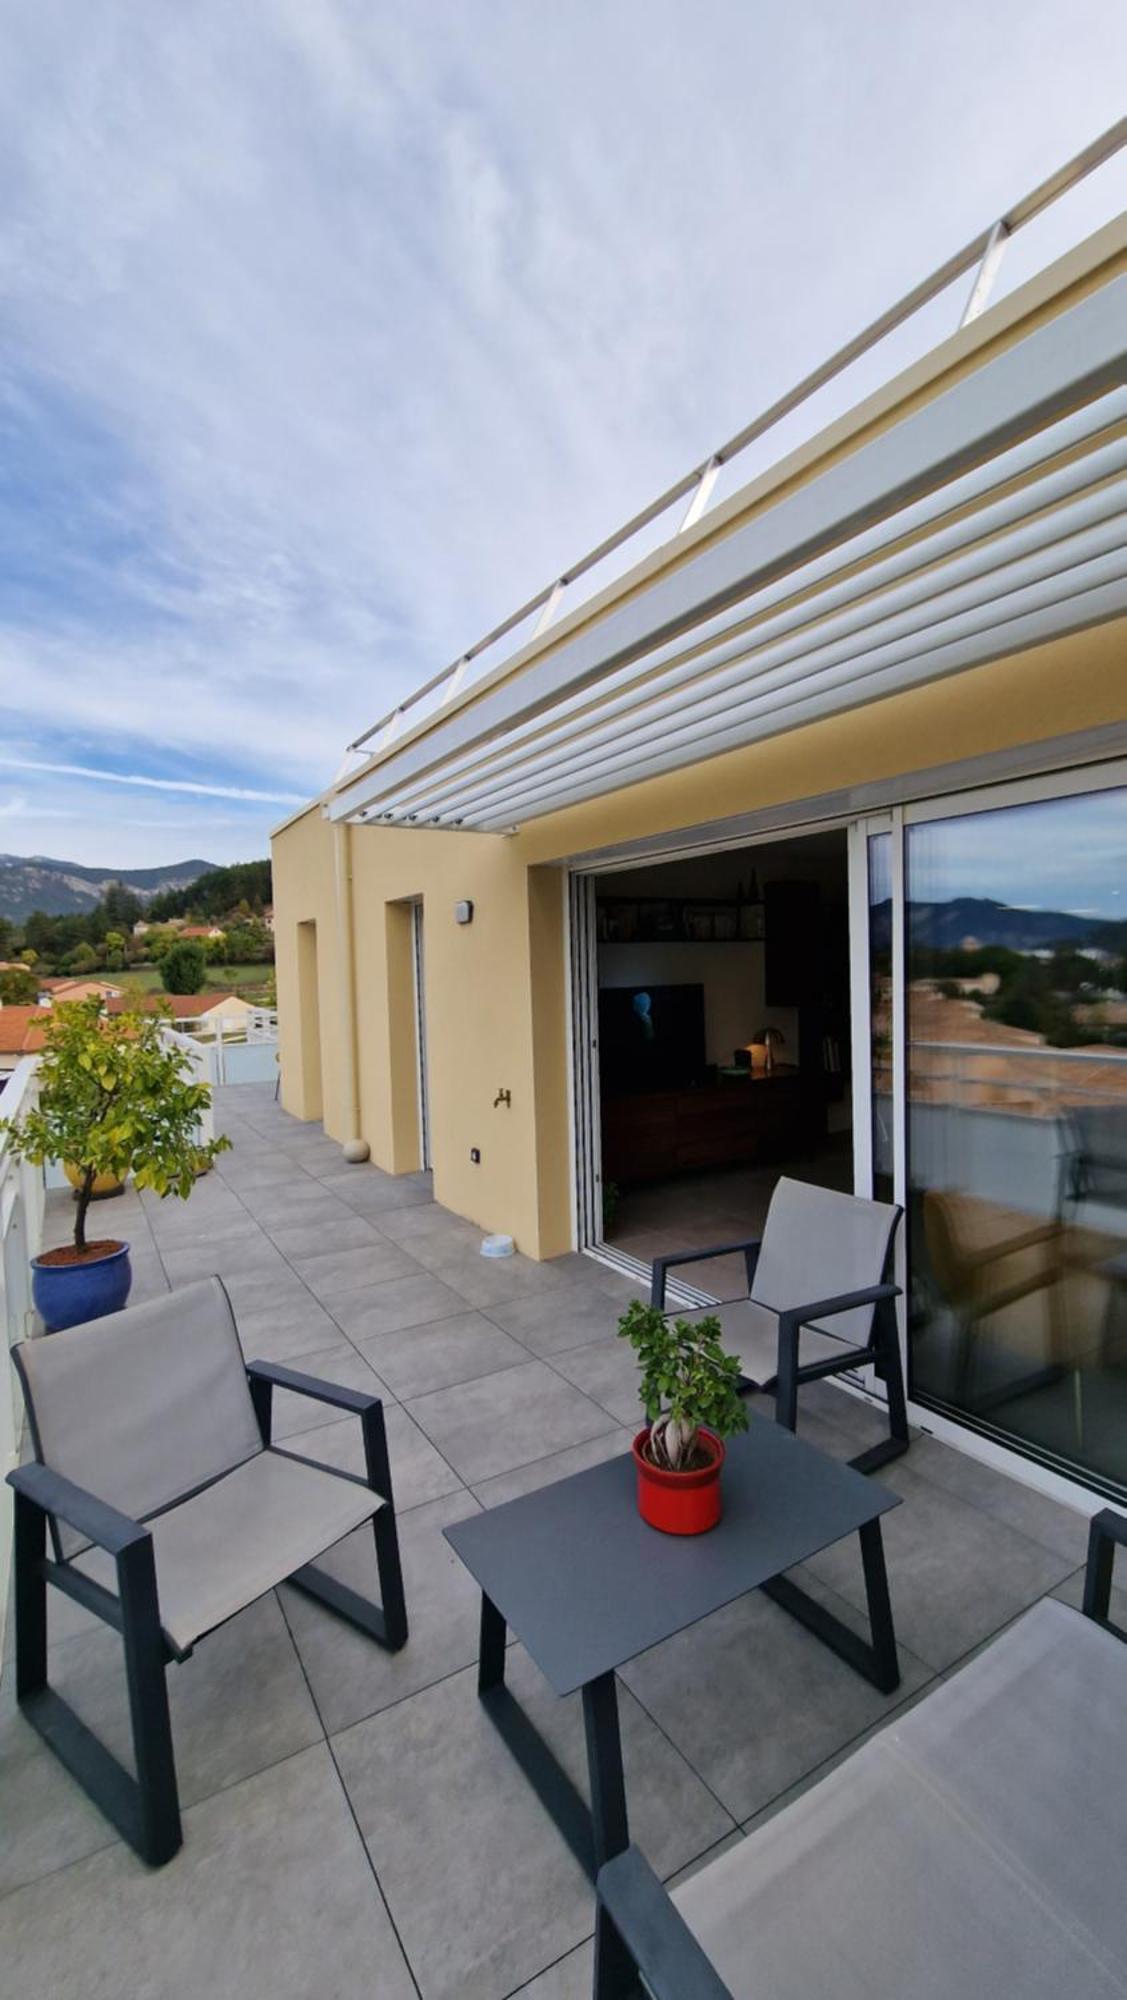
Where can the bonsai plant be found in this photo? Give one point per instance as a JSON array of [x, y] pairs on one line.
[[690, 1392], [114, 1099]]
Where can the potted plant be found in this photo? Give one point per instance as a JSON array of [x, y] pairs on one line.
[[691, 1396], [114, 1099]]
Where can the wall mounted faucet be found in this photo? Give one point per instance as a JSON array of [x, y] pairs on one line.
[[503, 1097]]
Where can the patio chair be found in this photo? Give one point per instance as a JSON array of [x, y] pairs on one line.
[[974, 1846], [823, 1256], [169, 1511]]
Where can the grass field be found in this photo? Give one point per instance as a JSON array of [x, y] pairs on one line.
[[248, 979]]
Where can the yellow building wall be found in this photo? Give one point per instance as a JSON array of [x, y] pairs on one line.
[[496, 989]]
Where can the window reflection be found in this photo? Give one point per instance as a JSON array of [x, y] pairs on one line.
[[1017, 1124], [880, 1007]]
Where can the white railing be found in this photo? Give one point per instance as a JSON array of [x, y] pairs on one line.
[[242, 1048], [992, 1118], [201, 1060], [21, 1235]]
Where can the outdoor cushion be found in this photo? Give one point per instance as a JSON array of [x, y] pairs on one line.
[[817, 1244], [219, 1550], [143, 1405], [751, 1331], [972, 1848]]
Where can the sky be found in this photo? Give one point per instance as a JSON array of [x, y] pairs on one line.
[[1049, 854], [332, 329]]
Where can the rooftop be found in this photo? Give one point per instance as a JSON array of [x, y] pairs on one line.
[[353, 1824]]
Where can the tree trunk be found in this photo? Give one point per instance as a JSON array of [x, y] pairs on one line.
[[84, 1193]]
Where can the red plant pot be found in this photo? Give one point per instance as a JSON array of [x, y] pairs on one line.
[[680, 1503]]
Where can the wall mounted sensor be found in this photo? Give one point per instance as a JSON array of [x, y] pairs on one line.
[[463, 913]]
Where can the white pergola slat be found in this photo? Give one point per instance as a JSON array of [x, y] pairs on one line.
[[992, 518]]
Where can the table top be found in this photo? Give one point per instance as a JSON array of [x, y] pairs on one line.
[[586, 1584]]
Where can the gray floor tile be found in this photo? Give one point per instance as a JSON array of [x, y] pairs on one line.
[[350, 1676], [291, 1202], [569, 1979], [420, 1358], [553, 1321], [271, 1898], [545, 1471], [429, 1232], [244, 1256], [753, 1700], [266, 1291], [505, 1420], [441, 1874], [955, 1574], [608, 1373], [336, 1272], [316, 1238], [370, 1192], [1062, 1529], [46, 1822], [278, 1331], [419, 1473], [239, 1703], [396, 1303], [486, 1281], [293, 1414]]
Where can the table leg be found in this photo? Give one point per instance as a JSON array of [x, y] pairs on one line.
[[604, 1763], [491, 1654], [887, 1674], [876, 1658]]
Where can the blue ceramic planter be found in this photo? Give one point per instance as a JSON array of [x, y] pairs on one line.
[[67, 1294]]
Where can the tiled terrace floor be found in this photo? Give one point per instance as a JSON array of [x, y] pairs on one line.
[[353, 1824]]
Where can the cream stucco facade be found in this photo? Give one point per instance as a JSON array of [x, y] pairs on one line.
[[496, 989]]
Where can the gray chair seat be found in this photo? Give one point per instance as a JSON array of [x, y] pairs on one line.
[[969, 1849], [268, 1517], [751, 1331]]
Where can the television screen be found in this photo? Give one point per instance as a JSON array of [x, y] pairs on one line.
[[650, 1038]]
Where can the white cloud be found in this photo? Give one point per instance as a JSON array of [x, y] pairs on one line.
[[348, 325]]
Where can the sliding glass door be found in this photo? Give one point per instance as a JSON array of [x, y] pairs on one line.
[[1015, 993]]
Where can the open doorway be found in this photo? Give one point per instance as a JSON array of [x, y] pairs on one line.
[[723, 1041]]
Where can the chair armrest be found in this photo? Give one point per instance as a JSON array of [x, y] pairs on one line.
[[870, 1295], [266, 1376], [355, 1400], [661, 1265], [56, 1495], [647, 1926], [1106, 1530]]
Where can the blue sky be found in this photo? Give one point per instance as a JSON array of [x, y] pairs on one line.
[[1055, 854], [329, 329]]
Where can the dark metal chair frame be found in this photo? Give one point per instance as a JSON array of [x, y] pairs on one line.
[[882, 1350], [145, 1809], [640, 1934]]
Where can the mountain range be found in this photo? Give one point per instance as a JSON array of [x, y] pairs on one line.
[[949, 925], [70, 888]]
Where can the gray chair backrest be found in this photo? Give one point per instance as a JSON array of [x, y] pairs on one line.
[[818, 1243], [145, 1405]]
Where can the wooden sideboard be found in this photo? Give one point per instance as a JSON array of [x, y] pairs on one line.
[[745, 1121]]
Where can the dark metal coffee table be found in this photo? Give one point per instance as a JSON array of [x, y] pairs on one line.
[[585, 1585]]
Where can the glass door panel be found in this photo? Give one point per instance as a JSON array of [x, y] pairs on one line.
[[1016, 983]]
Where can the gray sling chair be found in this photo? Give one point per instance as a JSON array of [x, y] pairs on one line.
[[973, 1847], [169, 1510], [823, 1256]]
